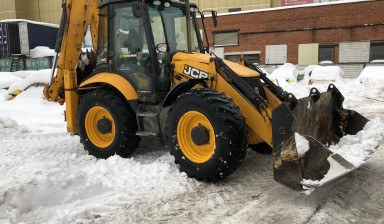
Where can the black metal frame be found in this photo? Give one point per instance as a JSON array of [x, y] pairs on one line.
[[153, 95]]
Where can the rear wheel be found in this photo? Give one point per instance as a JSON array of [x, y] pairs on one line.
[[207, 134], [107, 124]]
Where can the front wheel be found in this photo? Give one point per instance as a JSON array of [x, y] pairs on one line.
[[207, 134], [107, 124]]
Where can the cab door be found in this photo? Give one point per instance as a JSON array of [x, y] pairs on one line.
[[130, 54]]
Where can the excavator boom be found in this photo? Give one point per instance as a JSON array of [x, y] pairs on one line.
[[77, 17]]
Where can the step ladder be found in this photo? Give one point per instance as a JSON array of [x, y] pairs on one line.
[[148, 120]]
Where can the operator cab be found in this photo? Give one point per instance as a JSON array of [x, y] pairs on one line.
[[142, 38]]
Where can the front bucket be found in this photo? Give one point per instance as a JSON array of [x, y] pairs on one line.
[[300, 137]]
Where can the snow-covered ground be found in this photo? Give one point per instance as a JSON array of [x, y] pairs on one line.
[[47, 177]]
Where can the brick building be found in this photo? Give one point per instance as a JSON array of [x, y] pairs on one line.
[[349, 34]]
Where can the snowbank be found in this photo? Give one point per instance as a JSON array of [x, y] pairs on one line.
[[7, 78], [284, 74], [374, 73], [307, 72], [40, 52], [327, 73], [372, 77], [9, 127], [356, 149], [326, 63], [41, 76], [48, 177]]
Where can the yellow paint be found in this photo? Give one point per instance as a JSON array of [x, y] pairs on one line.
[[272, 99], [259, 125], [72, 40], [195, 153], [201, 62], [143, 83], [71, 99], [98, 139], [114, 80], [14, 94]]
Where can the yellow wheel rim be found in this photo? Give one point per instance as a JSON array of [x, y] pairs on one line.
[[195, 153], [95, 136]]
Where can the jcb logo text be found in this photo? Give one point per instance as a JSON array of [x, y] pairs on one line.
[[194, 72]]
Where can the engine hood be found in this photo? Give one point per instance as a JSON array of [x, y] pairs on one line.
[[203, 60]]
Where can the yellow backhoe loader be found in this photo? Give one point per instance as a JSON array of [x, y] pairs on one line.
[[153, 78]]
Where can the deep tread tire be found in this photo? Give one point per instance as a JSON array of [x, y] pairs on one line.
[[125, 141], [230, 134]]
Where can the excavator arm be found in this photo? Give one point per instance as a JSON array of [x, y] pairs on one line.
[[77, 16]]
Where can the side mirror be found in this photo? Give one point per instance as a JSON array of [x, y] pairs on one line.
[[137, 9], [163, 48], [214, 18]]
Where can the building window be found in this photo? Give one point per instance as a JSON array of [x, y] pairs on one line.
[[326, 54], [234, 10], [377, 52], [226, 39], [254, 58]]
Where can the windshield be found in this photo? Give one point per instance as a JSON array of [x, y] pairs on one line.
[[169, 26]]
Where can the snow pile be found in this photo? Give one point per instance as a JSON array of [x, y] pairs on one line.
[[31, 109], [372, 77], [308, 70], [377, 61], [9, 127], [40, 52], [41, 76], [7, 78], [48, 177], [326, 63], [356, 149], [327, 73], [371, 73], [70, 187], [302, 145], [284, 74]]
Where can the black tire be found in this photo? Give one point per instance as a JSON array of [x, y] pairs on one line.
[[230, 134], [124, 140]]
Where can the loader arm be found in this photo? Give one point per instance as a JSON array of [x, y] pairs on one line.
[[78, 15]]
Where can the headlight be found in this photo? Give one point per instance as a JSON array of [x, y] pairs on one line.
[[157, 2], [167, 4]]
